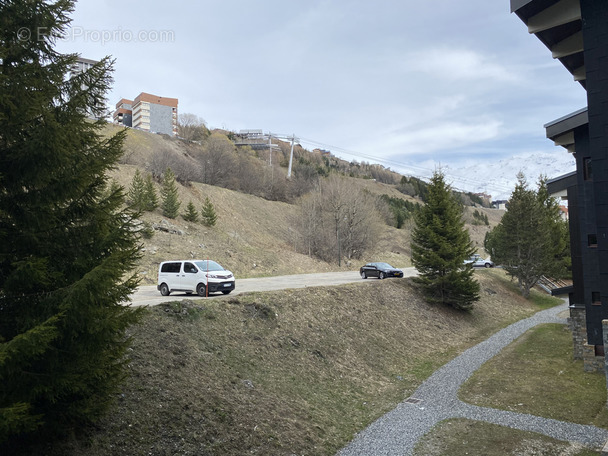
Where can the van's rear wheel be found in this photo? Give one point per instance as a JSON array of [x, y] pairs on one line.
[[164, 290], [201, 289]]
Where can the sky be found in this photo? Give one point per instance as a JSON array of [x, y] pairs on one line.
[[413, 85]]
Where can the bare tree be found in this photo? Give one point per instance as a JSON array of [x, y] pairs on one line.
[[191, 127], [311, 224], [218, 158], [338, 220], [249, 174]]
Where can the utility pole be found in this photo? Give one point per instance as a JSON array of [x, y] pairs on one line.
[[293, 140], [269, 149]]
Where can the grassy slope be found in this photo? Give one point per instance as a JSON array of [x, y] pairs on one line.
[[291, 372], [254, 237]]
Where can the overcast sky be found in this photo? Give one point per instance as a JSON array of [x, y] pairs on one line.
[[413, 83]]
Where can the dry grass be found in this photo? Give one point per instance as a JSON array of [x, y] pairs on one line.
[[253, 237], [281, 373]]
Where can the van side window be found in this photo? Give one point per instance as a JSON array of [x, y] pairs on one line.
[[189, 267], [171, 267]]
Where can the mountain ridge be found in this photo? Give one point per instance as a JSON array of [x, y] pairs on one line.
[[499, 179]]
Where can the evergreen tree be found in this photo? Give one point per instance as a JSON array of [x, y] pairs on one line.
[[530, 241], [440, 244], [151, 199], [208, 213], [137, 192], [169, 196], [191, 214], [66, 244]]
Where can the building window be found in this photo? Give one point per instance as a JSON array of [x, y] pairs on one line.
[[587, 170], [592, 240], [596, 299]]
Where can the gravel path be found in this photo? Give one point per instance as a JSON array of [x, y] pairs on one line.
[[397, 432]]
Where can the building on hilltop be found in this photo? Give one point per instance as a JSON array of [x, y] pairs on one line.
[[123, 115], [81, 66], [575, 33], [256, 139], [149, 113]]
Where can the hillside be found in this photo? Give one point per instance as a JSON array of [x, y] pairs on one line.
[[253, 236], [282, 373]]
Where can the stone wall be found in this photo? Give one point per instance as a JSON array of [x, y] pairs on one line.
[[592, 363], [581, 349], [578, 327]]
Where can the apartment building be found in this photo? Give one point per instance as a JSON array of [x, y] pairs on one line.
[[80, 66], [123, 115], [149, 113]]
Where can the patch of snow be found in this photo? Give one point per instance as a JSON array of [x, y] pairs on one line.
[[499, 179]]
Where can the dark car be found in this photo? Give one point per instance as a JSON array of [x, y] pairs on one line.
[[380, 270]]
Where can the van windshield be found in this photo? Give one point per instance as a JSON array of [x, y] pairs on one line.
[[208, 265]]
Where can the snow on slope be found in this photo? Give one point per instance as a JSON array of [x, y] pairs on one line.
[[499, 179]]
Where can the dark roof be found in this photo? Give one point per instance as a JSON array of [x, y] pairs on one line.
[[561, 183], [558, 25], [561, 131], [562, 291]]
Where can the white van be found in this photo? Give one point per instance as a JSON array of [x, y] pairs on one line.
[[194, 276]]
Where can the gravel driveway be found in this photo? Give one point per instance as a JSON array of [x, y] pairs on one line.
[[397, 432]]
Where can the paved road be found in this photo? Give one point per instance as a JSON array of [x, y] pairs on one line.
[[397, 432], [148, 295]]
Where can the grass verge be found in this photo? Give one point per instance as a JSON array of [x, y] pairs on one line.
[[459, 437], [516, 380], [536, 375]]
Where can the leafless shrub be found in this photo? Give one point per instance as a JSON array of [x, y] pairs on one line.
[[218, 159], [185, 168], [303, 180], [248, 175]]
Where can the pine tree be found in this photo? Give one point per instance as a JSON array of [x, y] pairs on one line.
[[137, 192], [208, 213], [66, 244], [169, 196], [530, 240], [150, 198], [191, 214], [440, 244]]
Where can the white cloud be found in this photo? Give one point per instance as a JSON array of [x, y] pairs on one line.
[[458, 64], [444, 135]]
